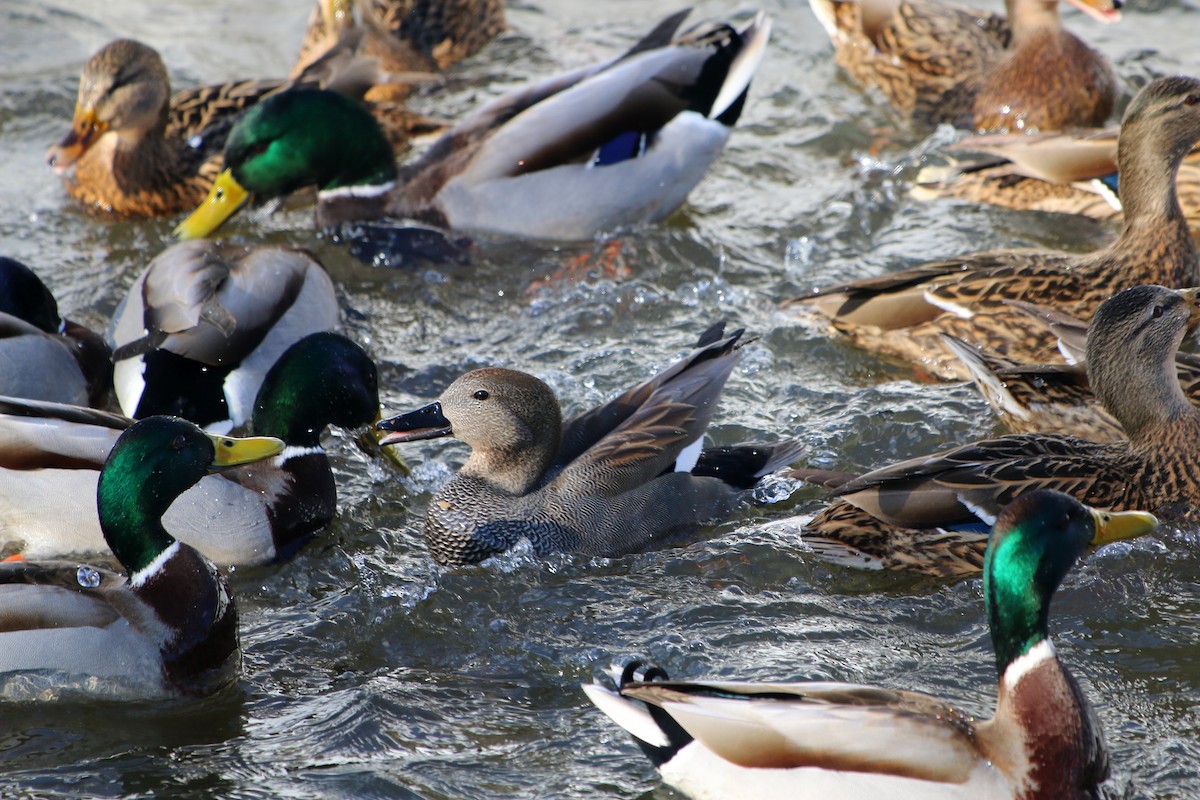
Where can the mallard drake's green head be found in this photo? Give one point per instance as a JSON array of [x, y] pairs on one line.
[[1034, 543], [294, 139], [23, 295], [151, 464], [323, 379]]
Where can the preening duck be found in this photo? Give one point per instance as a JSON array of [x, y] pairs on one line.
[[625, 477], [928, 514], [618, 144], [792, 741], [204, 322], [171, 628], [905, 313], [943, 63], [50, 456]]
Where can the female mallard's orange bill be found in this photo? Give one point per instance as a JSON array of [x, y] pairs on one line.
[[85, 130], [225, 197]]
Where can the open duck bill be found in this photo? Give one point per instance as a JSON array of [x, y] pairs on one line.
[[1113, 526], [1106, 11], [233, 452], [424, 423], [224, 199]]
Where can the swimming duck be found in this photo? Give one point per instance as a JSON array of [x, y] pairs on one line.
[[725, 739], [171, 628], [974, 69], [406, 36], [242, 517], [617, 144], [904, 313], [42, 355], [622, 478], [1054, 398], [926, 514], [1065, 173], [204, 322]]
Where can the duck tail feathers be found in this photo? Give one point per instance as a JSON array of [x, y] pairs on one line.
[[742, 465], [751, 44], [659, 736]]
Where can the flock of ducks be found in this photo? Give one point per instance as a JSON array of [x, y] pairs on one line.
[[242, 336]]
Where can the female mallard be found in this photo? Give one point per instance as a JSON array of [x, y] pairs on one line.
[[42, 355], [904, 313], [622, 478], [974, 69], [1054, 398], [136, 149], [841, 740], [926, 514], [172, 627], [1065, 173], [201, 326], [242, 517], [406, 36], [618, 144]]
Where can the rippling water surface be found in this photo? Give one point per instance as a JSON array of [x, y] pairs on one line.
[[369, 672]]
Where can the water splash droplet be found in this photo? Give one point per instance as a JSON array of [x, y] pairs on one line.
[[88, 578]]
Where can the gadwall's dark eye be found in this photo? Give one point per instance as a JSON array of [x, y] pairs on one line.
[[1157, 312], [481, 395], [1191, 99]]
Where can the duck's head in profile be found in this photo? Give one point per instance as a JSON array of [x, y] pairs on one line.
[[291, 140], [124, 91]]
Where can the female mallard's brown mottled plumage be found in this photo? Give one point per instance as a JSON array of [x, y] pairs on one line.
[[905, 313], [975, 69], [925, 514], [406, 36], [1065, 173], [138, 151]]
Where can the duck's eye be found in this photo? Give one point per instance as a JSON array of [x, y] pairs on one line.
[[482, 394], [178, 443], [1191, 99], [1157, 312]]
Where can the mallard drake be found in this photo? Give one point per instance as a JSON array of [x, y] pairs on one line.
[[204, 322], [904, 313], [171, 628], [621, 143], [974, 69], [42, 355], [622, 478], [841, 740], [1066, 173], [926, 514], [242, 517]]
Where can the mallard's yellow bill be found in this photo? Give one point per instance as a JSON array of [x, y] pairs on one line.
[[225, 197], [1113, 526], [369, 442], [85, 130], [232, 451]]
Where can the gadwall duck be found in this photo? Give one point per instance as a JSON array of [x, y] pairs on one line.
[[622, 478], [974, 69], [927, 514], [171, 628], [618, 144], [724, 739], [51, 455], [904, 313]]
